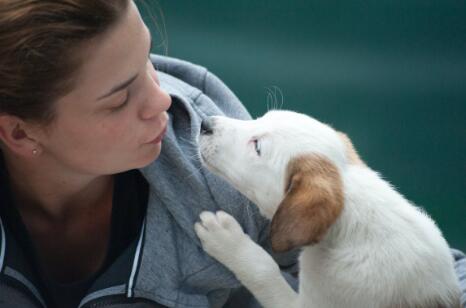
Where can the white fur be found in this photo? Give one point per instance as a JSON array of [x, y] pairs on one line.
[[381, 252]]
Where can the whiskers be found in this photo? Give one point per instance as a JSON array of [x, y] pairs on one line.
[[274, 98]]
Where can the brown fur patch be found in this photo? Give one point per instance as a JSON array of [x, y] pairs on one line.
[[353, 156], [313, 201]]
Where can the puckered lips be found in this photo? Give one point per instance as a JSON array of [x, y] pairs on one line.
[[159, 137]]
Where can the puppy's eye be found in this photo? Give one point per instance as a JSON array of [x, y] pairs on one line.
[[257, 146]]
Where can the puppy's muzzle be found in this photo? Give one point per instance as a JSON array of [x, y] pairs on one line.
[[207, 126]]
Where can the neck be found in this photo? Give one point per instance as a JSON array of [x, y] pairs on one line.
[[52, 191]]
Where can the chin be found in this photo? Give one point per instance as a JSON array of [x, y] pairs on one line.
[[150, 156]]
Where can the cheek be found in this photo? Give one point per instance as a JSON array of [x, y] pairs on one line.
[[113, 128], [99, 136], [120, 132]]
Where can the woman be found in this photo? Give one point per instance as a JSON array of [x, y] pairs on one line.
[[95, 212]]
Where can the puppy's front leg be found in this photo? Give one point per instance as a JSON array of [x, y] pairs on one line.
[[223, 238]]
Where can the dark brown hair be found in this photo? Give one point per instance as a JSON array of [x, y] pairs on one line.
[[39, 44]]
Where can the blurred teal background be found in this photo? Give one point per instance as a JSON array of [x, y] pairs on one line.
[[389, 73]]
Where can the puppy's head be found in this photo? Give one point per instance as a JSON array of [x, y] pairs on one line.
[[287, 163]]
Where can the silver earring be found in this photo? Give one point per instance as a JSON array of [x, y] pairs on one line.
[[35, 152]]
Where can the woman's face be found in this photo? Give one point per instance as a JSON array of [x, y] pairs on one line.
[[114, 118]]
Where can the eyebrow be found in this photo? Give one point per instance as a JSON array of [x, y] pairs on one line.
[[126, 83]]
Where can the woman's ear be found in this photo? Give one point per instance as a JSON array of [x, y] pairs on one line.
[[312, 203], [14, 135]]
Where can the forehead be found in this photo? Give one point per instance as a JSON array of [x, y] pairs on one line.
[[298, 131], [115, 55], [287, 120]]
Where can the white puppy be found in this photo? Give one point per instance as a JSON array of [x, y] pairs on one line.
[[363, 244]]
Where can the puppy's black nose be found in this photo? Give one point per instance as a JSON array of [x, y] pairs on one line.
[[207, 126]]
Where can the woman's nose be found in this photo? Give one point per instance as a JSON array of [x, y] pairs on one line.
[[157, 101]]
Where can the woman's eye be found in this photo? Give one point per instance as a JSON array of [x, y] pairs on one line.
[[120, 106], [257, 146]]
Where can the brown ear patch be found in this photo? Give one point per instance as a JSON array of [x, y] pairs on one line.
[[353, 156], [313, 201]]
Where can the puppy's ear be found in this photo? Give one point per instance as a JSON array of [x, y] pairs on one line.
[[312, 203]]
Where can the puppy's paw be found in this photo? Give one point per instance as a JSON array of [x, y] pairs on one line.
[[221, 235]]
